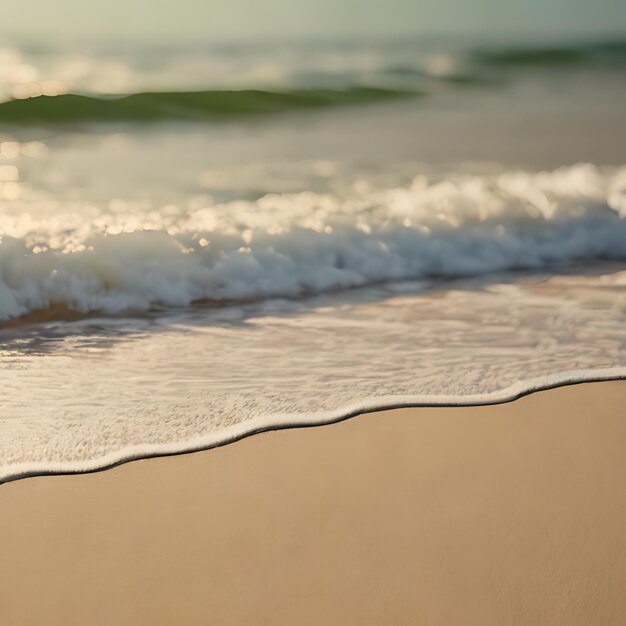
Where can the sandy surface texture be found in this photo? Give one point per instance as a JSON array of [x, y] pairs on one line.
[[510, 514]]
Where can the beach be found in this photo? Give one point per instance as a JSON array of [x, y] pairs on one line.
[[320, 330], [503, 514]]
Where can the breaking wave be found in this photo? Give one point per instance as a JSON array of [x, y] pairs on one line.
[[87, 259]]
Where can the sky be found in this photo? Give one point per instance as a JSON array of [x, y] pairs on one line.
[[265, 19]]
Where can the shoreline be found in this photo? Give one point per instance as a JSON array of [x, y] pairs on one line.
[[472, 516], [256, 427]]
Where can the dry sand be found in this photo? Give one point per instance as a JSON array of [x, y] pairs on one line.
[[511, 514]]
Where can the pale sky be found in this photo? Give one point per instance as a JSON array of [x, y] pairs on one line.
[[263, 19]]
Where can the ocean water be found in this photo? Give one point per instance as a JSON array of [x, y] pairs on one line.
[[200, 242]]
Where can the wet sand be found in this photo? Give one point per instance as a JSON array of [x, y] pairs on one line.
[[510, 514]]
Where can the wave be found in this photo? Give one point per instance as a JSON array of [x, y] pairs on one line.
[[197, 82], [250, 427], [185, 105], [602, 53], [287, 245]]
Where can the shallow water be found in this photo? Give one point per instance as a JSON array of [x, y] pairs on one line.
[[88, 393], [175, 285]]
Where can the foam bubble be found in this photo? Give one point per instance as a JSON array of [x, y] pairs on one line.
[[111, 260]]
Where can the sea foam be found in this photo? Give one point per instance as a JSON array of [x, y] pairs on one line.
[[123, 257], [88, 394]]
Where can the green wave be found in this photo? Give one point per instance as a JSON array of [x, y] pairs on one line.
[[192, 105], [605, 52]]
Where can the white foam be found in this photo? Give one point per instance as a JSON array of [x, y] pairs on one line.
[[87, 395], [277, 422], [125, 257]]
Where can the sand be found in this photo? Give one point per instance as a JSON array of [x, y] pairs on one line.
[[510, 514]]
